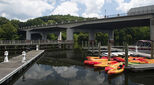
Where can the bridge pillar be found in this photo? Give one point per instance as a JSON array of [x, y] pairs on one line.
[[28, 35], [152, 29], [91, 36], [111, 37], [69, 34], [44, 36], [60, 36]]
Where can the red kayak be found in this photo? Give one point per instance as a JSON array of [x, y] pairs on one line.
[[89, 62], [119, 59]]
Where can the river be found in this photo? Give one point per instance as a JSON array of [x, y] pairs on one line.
[[65, 67]]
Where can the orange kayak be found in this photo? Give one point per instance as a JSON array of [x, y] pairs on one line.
[[113, 66], [116, 70]]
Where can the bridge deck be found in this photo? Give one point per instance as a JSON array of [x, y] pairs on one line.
[[8, 69]]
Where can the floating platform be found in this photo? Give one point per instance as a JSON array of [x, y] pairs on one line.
[[8, 69], [140, 67]]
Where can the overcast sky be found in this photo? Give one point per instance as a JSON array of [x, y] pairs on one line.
[[27, 9]]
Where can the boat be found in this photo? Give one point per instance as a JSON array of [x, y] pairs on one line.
[[101, 65], [89, 62], [91, 57], [113, 66], [117, 70], [119, 59], [140, 60]]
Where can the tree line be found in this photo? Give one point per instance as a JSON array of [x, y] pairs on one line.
[[9, 30]]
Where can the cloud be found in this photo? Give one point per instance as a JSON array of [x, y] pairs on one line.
[[67, 7], [24, 9], [125, 6], [33, 72], [92, 7], [66, 72]]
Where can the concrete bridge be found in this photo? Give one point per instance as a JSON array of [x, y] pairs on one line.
[[141, 16]]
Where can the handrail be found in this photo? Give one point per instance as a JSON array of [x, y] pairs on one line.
[[33, 42]]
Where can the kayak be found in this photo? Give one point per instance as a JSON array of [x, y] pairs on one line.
[[119, 59], [113, 66], [150, 61], [133, 63], [105, 64], [90, 57], [116, 70], [136, 61], [101, 65], [88, 62], [99, 60]]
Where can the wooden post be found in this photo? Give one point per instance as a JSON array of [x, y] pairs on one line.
[[152, 49], [82, 45], [109, 50], [92, 47], [126, 55], [99, 49], [88, 45]]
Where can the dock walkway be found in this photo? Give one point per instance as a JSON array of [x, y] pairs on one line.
[[8, 69], [140, 67]]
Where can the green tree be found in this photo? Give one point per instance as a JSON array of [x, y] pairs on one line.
[[3, 20], [8, 32], [15, 23]]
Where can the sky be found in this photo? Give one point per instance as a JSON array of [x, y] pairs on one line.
[[29, 9]]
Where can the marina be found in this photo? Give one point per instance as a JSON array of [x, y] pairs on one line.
[[44, 42]]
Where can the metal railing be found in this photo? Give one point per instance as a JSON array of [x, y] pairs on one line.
[[33, 42]]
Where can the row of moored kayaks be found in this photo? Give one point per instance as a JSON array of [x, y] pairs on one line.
[[116, 64]]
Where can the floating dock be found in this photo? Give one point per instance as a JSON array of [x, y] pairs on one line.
[[140, 67], [8, 69]]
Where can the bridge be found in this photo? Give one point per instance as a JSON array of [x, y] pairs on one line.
[[142, 16]]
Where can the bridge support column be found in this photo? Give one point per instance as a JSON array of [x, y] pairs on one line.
[[69, 37], [91, 36], [60, 36], [69, 34], [152, 29], [111, 37], [28, 35], [44, 36]]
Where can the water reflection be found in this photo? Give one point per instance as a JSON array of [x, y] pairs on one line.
[[69, 71], [65, 72]]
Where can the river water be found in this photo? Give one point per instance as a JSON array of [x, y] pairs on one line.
[[65, 67]]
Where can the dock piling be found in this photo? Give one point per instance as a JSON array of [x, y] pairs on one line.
[[126, 55], [99, 49], [6, 53], [152, 49], [109, 50], [24, 57], [37, 47]]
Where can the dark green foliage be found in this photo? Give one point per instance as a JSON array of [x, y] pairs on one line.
[[8, 32], [15, 23], [3, 20], [131, 35], [102, 37]]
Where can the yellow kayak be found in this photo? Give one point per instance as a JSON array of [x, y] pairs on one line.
[[103, 64], [150, 61], [91, 58], [115, 71]]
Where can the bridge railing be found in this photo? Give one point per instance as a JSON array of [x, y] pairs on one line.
[[93, 19], [33, 42]]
